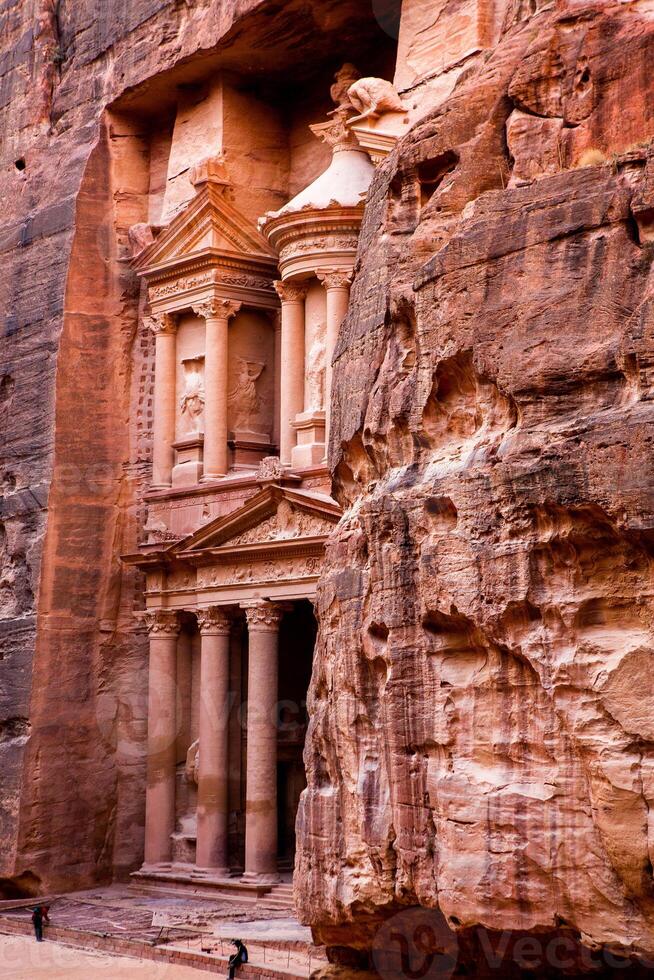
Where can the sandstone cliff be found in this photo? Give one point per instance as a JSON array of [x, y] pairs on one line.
[[481, 730]]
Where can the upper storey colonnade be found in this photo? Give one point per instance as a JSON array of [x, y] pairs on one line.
[[246, 317]]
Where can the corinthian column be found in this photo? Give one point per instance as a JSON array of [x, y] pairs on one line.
[[261, 787], [291, 397], [163, 627], [337, 287], [164, 328], [214, 758], [217, 314]]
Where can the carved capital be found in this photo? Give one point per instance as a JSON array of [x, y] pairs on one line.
[[217, 309], [161, 323], [290, 292], [214, 621], [335, 278], [263, 617], [162, 623]]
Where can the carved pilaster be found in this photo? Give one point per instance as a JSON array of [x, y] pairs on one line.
[[290, 292], [263, 617], [335, 278], [214, 621], [161, 323], [217, 308], [162, 622]]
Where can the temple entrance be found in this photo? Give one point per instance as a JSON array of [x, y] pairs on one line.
[[230, 665], [297, 635], [296, 644]]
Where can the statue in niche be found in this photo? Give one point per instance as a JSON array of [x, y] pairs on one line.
[[192, 401], [244, 399], [192, 767], [316, 368]]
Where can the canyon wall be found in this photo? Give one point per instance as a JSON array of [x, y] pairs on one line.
[[481, 735]]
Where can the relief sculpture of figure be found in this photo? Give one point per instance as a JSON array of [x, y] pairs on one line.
[[192, 401], [192, 767], [244, 398], [373, 97], [315, 377]]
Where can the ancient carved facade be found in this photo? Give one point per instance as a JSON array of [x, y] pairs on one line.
[[246, 321]]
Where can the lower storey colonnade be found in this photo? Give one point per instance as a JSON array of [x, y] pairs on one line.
[[216, 753]]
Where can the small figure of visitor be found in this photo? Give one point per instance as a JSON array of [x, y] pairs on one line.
[[39, 916], [237, 958]]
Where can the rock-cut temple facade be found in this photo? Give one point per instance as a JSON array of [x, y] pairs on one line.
[[326, 520]]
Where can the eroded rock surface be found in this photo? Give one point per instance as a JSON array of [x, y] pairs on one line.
[[481, 705]]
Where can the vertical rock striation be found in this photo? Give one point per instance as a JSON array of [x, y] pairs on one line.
[[481, 733]]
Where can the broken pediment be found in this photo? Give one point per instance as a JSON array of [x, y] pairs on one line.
[[274, 515], [209, 223]]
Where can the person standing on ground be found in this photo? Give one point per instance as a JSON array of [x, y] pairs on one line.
[[238, 958], [39, 916]]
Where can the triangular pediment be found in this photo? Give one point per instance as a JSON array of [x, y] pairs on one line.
[[274, 515], [208, 223]]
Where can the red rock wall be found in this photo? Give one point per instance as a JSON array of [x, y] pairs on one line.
[[481, 705], [71, 666]]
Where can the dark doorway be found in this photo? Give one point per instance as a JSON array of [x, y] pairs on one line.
[[296, 644]]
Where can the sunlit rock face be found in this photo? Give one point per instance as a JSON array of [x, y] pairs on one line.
[[481, 704]]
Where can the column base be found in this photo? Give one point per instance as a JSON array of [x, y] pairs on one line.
[[212, 477], [153, 868], [255, 878], [210, 873]]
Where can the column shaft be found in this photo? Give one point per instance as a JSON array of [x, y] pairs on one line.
[[165, 371], [261, 779], [235, 717], [162, 734], [216, 360], [214, 750], [337, 287], [292, 365], [217, 314]]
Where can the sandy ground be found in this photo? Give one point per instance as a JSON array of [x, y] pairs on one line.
[[25, 959]]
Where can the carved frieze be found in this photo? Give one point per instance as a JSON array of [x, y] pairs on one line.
[[319, 244], [261, 572], [184, 284]]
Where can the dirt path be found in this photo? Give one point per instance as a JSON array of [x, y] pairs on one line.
[[25, 959]]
